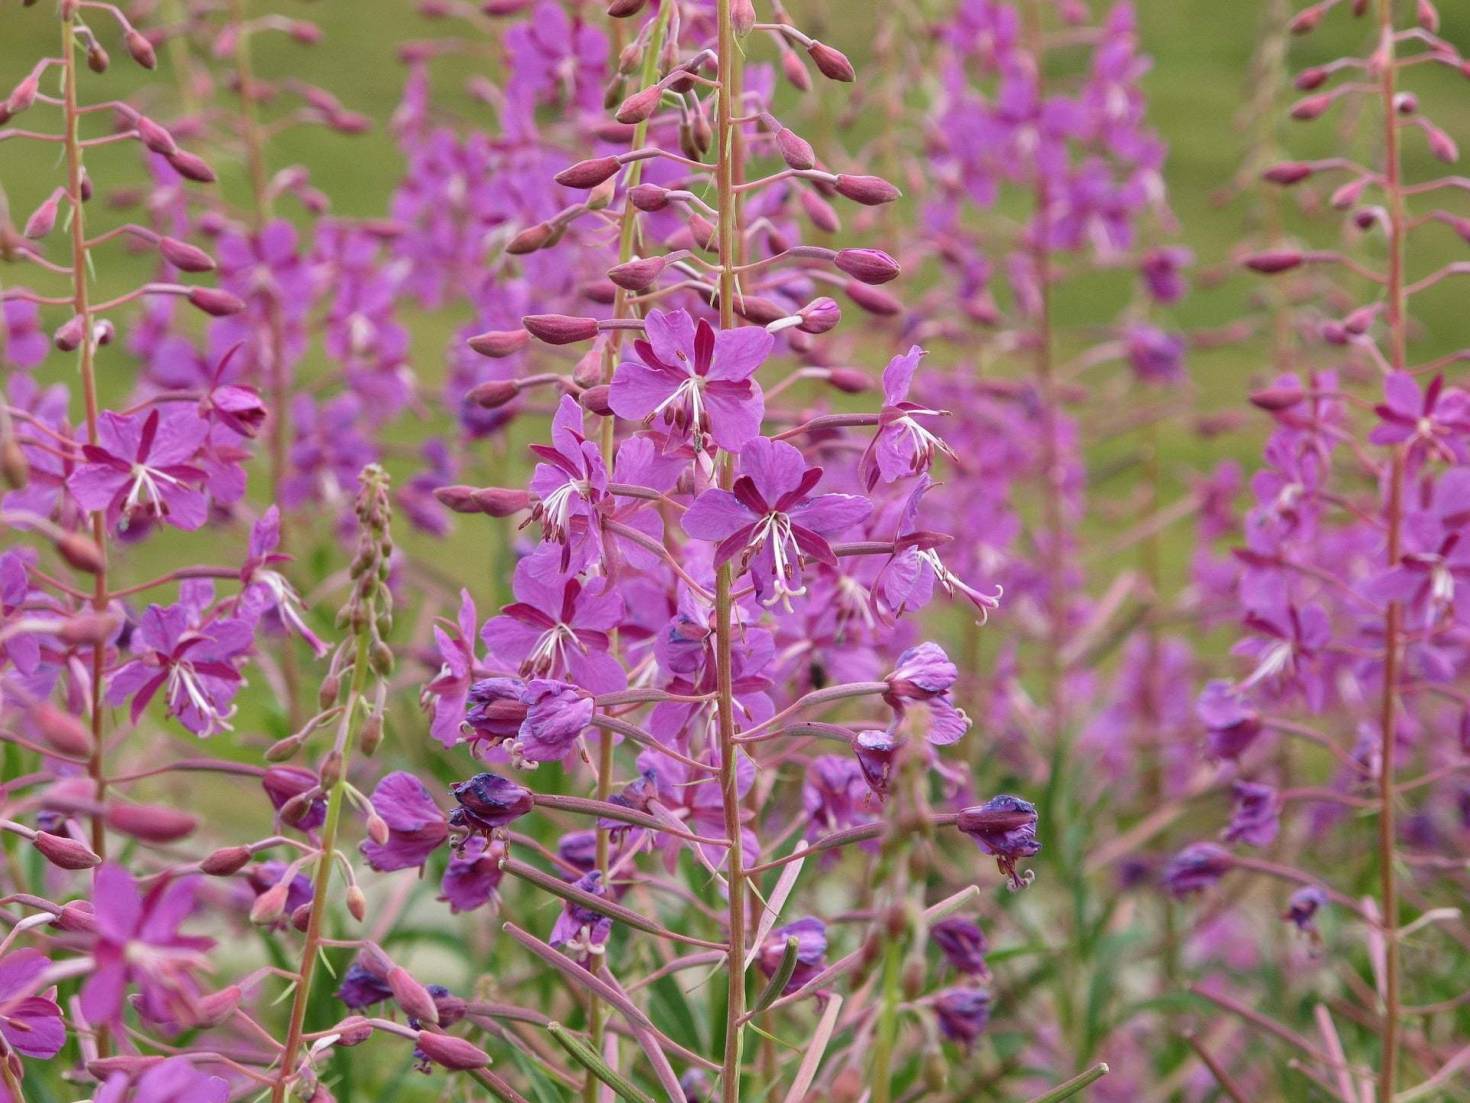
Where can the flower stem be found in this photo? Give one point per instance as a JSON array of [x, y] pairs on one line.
[[1397, 328], [727, 176]]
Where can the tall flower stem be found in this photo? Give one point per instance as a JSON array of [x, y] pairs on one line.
[[1397, 355], [82, 307], [627, 240], [727, 175]]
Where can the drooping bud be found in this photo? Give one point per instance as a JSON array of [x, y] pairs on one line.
[[871, 266], [140, 49], [640, 106], [451, 1051], [63, 731], [742, 16], [499, 343], [154, 823], [63, 852], [589, 173], [832, 63], [80, 552], [531, 238], [823, 215], [191, 167], [638, 274], [214, 302], [493, 393], [820, 315], [871, 191], [1287, 173], [1274, 261], [649, 197], [560, 329], [225, 861], [154, 136], [185, 257]]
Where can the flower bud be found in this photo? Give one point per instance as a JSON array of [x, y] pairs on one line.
[[493, 393], [795, 150], [185, 257], [152, 823], [850, 380], [560, 329], [270, 905], [68, 336], [1310, 79], [301, 918], [820, 315], [649, 197], [63, 852], [871, 191], [43, 218], [61, 730], [356, 903], [80, 552], [191, 167], [530, 239], [499, 343], [594, 400], [872, 300], [353, 1031], [412, 996], [1312, 107], [640, 106], [214, 302], [623, 9], [638, 274], [141, 50], [795, 71], [761, 312], [76, 917], [832, 63], [22, 96], [97, 58], [742, 16], [823, 214], [225, 861], [92, 627], [589, 173], [212, 1010], [704, 233], [1287, 173], [155, 137], [1274, 261], [872, 266], [451, 1051]]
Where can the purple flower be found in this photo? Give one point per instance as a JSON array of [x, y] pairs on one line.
[[1231, 723], [579, 930], [138, 942], [283, 783], [1162, 272], [876, 753], [1432, 423], [446, 694], [568, 484], [771, 521], [556, 716], [1004, 826], [962, 1013], [416, 826], [835, 795], [139, 468], [1197, 867], [694, 379], [488, 802], [30, 1024], [496, 709], [472, 878], [1154, 355], [172, 1080], [1302, 909], [811, 951], [963, 944], [1257, 815], [266, 590], [925, 675], [902, 445], [25, 342], [1288, 650], [558, 626], [361, 987], [193, 665]]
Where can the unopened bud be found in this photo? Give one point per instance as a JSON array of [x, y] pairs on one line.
[[640, 106], [451, 1051], [43, 218], [191, 167], [353, 1031], [80, 552], [214, 302], [872, 266], [141, 50], [820, 315], [152, 823], [493, 393], [499, 343], [213, 1009], [356, 903], [1274, 261], [92, 627], [270, 905], [850, 380], [795, 71], [560, 329], [832, 63], [649, 197], [742, 16], [871, 191], [61, 730], [185, 257], [530, 239], [68, 336], [1312, 107], [823, 215], [595, 400], [63, 852], [155, 137], [589, 173], [283, 749], [638, 274], [1287, 173], [872, 300], [622, 9], [225, 861], [412, 996]]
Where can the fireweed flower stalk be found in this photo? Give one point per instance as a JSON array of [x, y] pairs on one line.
[[684, 548], [1349, 573]]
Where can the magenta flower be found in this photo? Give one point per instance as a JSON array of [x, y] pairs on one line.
[[25, 342], [568, 484], [556, 716], [771, 521], [1004, 826], [1257, 815], [472, 877], [1288, 651], [138, 942], [266, 592], [558, 626], [694, 379], [140, 468], [30, 1024], [416, 826], [195, 666], [925, 675], [445, 695], [903, 446], [1231, 723], [1434, 422], [174, 1080]]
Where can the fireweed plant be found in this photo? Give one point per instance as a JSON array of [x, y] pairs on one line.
[[1348, 715]]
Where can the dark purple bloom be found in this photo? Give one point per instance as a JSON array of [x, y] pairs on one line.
[[1004, 826], [1232, 725], [141, 469], [1162, 273], [472, 878], [556, 716], [496, 709], [1154, 355], [925, 675], [283, 783], [1197, 867], [1302, 909], [488, 802], [811, 951], [1257, 815], [694, 379], [361, 987], [876, 753], [962, 1013], [416, 826], [770, 521], [963, 944]]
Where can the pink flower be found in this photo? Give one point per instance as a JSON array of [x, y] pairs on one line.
[[902, 446], [771, 521], [193, 664], [1434, 423], [140, 469], [30, 1024], [694, 379], [416, 826]]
